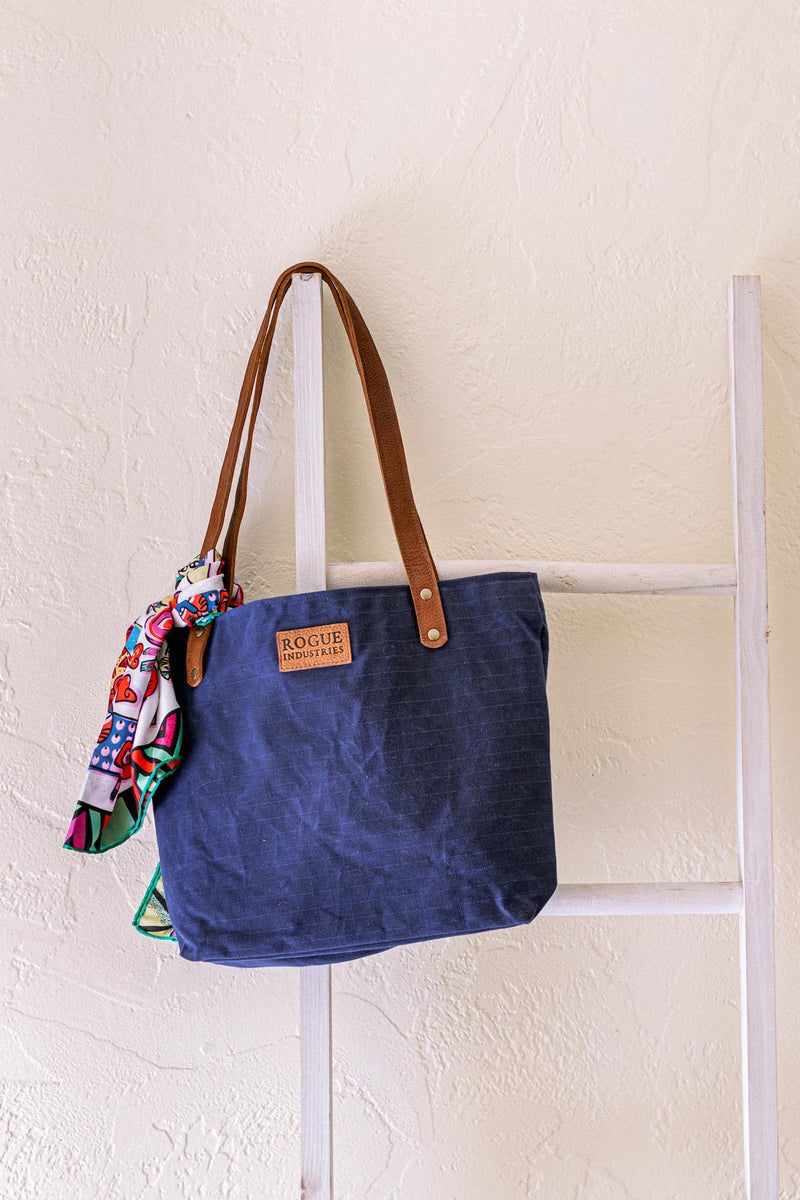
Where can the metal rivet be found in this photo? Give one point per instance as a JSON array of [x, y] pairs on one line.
[[425, 594], [198, 632], [194, 673], [433, 635]]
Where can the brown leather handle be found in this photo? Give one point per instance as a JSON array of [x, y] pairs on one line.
[[413, 545]]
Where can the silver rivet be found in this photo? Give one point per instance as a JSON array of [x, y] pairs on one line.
[[194, 674], [433, 635], [198, 632], [425, 594]]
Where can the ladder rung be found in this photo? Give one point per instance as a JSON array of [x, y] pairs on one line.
[[643, 899], [648, 579]]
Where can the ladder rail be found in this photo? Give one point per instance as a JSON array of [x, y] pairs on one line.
[[754, 796], [316, 1044]]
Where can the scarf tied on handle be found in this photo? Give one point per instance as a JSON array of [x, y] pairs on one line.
[[140, 741]]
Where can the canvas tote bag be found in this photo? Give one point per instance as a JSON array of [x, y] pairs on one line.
[[365, 766]]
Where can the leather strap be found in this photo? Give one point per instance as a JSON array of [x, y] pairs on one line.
[[414, 550]]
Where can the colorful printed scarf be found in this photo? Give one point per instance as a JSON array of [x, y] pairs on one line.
[[140, 741]]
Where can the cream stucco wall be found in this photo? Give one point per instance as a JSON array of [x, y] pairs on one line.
[[538, 207]]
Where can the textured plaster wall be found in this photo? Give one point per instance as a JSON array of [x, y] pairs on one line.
[[538, 207]]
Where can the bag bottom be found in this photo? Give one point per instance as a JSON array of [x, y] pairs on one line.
[[327, 957]]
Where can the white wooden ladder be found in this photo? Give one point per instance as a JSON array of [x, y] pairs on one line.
[[746, 580]]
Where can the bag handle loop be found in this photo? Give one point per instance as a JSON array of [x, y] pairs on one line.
[[414, 550]]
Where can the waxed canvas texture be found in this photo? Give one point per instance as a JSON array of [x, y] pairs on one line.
[[325, 814]]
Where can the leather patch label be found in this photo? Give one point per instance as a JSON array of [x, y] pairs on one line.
[[314, 646]]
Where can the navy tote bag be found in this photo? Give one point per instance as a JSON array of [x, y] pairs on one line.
[[366, 766]]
